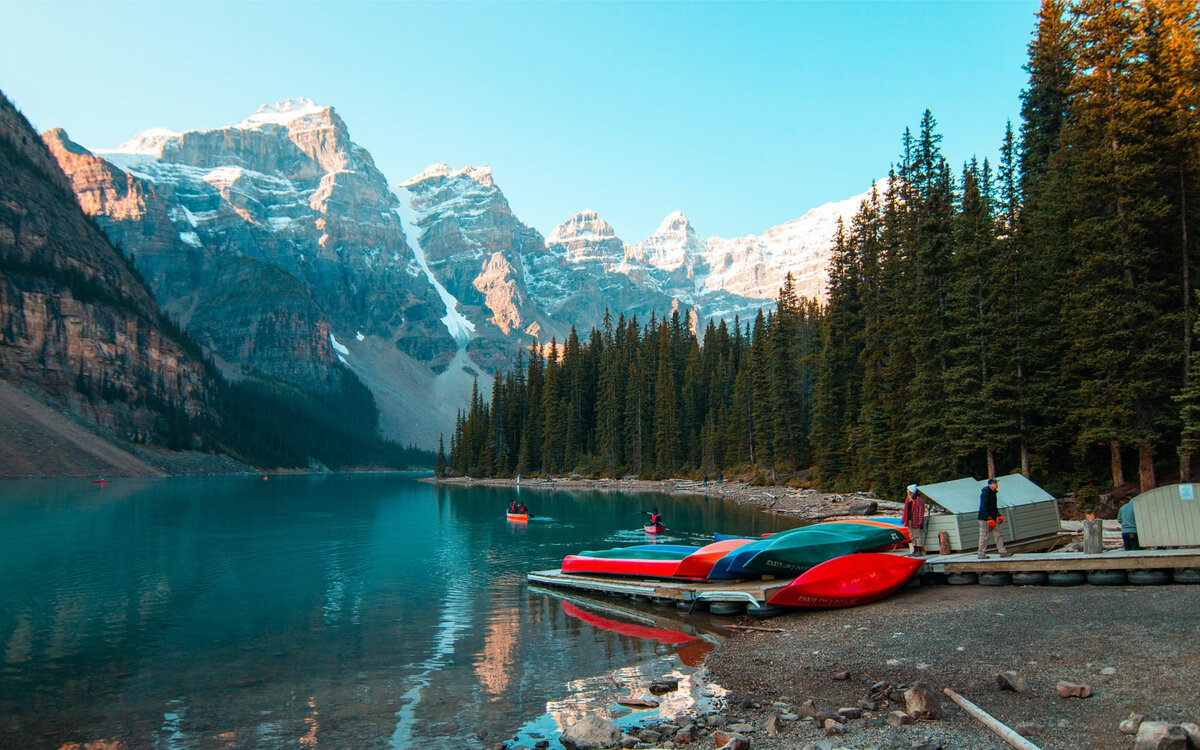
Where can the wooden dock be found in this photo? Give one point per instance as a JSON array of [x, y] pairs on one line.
[[753, 593], [1050, 562]]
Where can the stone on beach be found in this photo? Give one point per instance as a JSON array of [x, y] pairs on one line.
[[1012, 681], [898, 719], [774, 725], [1072, 690], [730, 740], [1130, 725], [658, 687]]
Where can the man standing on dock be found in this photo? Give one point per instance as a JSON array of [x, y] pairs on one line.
[[990, 519]]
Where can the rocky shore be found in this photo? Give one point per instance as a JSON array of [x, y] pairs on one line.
[[795, 502], [1079, 667]]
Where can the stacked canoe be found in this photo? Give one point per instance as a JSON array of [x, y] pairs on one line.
[[838, 563]]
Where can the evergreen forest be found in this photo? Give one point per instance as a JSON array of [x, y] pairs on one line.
[[1032, 315]]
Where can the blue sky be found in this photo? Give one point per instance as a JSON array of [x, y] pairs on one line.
[[741, 115]]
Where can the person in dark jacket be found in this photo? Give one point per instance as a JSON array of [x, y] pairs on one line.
[[990, 519]]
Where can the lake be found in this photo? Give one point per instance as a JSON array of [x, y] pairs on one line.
[[360, 611]]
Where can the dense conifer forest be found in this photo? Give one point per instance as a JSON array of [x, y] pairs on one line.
[[1032, 315]]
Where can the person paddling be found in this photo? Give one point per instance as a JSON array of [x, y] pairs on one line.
[[655, 518]]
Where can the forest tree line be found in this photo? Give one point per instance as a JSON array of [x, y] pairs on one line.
[[1034, 315]]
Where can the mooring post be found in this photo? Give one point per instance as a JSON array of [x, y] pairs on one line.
[[1093, 536], [944, 542]]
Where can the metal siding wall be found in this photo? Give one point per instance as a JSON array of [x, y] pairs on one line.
[[1029, 521], [948, 523], [1166, 520]]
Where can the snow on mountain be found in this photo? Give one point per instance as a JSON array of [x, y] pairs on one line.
[[281, 113], [148, 142], [456, 323], [755, 266]]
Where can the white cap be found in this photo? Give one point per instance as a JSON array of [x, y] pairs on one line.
[[912, 488]]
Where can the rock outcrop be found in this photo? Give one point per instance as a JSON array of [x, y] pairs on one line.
[[77, 324]]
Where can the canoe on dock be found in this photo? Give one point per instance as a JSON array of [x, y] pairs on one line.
[[659, 560], [848, 580], [794, 551]]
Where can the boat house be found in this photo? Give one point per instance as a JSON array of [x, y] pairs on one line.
[[1168, 516], [1030, 513]]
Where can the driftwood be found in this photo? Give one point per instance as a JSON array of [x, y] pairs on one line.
[[760, 630], [988, 721]]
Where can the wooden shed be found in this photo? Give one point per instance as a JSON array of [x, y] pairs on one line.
[[1168, 516], [1029, 511]]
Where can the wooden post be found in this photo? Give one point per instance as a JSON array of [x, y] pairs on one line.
[[990, 722], [1093, 536], [944, 542]]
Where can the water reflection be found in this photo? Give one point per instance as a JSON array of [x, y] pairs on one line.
[[377, 611]]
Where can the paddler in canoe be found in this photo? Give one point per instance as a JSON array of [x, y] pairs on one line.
[[517, 511], [655, 525]]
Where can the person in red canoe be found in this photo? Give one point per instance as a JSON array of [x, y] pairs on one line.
[[521, 508], [512, 507], [655, 518]]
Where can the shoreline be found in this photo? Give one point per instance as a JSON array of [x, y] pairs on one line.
[[792, 502]]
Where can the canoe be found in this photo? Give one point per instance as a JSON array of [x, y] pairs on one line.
[[657, 528], [700, 563], [98, 481], [517, 516], [882, 523], [848, 580], [794, 551], [657, 560]]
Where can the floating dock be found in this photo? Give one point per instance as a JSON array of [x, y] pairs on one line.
[[1049, 562], [666, 591], [1037, 568]]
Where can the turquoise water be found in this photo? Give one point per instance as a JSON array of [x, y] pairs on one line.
[[364, 611]]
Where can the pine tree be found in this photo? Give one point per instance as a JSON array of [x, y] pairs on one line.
[[439, 470]]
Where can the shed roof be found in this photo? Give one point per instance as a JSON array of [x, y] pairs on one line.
[[962, 495]]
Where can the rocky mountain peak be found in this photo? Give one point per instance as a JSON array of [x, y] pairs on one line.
[[282, 113], [674, 246], [149, 142], [586, 224], [481, 175]]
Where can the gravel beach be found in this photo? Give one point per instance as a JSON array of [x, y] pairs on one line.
[[1135, 647]]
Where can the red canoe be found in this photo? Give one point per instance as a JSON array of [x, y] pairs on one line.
[[700, 563], [517, 516], [657, 528], [848, 580]]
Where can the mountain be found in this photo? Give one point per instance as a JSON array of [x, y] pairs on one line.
[[78, 327], [283, 249], [278, 244]]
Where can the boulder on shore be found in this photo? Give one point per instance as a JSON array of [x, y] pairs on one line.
[[590, 733], [921, 702], [1161, 735]]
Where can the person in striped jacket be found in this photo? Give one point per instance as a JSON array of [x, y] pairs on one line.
[[914, 519]]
